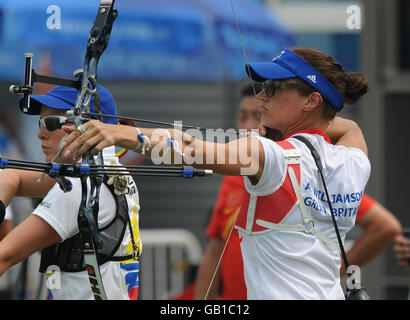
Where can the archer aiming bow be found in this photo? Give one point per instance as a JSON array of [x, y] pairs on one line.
[[91, 167]]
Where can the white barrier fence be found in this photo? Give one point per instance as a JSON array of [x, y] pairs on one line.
[[168, 260]]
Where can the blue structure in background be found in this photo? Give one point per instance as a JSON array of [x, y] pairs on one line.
[[151, 40], [344, 47]]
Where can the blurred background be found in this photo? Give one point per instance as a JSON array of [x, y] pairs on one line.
[[183, 60]]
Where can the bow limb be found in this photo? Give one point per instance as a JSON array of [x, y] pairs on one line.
[[89, 207]]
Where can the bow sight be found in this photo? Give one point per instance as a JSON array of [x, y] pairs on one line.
[[97, 43]]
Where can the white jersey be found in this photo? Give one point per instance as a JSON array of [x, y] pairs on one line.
[[281, 264], [60, 211], [9, 211], [9, 214]]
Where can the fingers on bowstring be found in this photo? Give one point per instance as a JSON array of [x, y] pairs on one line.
[[97, 148], [87, 145], [73, 134], [72, 143], [68, 129]]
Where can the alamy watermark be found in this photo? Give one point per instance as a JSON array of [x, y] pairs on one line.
[[353, 21], [353, 277], [54, 277], [54, 19], [207, 147]]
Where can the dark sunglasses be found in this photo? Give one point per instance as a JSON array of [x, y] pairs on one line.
[[270, 86], [53, 122]]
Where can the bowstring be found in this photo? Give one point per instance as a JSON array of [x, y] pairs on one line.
[[220, 258], [257, 103], [244, 52]]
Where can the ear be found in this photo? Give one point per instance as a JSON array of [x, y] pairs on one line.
[[313, 101]]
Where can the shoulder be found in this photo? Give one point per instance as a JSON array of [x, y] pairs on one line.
[[274, 166], [356, 159]]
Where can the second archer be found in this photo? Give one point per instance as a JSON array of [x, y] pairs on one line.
[[53, 225]]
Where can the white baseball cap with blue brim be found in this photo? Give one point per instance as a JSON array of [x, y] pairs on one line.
[[64, 98], [290, 65]]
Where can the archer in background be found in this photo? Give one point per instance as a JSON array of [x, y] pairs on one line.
[[53, 225]]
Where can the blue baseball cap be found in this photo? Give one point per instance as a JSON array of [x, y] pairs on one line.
[[290, 65], [64, 98]]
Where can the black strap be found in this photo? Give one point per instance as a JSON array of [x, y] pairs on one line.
[[319, 166], [2, 211]]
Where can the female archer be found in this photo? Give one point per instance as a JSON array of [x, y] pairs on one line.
[[53, 225], [289, 244]]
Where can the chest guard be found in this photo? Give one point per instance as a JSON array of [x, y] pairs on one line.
[[259, 214], [68, 255]]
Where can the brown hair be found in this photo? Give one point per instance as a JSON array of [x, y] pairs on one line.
[[351, 85]]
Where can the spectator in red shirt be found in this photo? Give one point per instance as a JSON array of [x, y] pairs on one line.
[[379, 226]]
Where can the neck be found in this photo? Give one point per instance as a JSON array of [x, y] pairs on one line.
[[306, 124]]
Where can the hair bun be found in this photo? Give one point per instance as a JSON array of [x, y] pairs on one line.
[[357, 85]]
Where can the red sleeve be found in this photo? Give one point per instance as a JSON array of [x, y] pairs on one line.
[[366, 204], [228, 201]]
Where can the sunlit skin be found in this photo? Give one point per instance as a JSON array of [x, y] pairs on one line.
[[288, 111], [51, 139]]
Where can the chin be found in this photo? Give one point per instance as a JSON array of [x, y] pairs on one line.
[[48, 158]]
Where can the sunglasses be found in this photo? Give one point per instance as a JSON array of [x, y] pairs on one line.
[[270, 86], [53, 122]]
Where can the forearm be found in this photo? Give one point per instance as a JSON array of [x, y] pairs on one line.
[[5, 228], [9, 185], [30, 236], [158, 146], [23, 183], [239, 157]]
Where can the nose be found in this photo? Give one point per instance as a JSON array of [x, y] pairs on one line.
[[42, 133]]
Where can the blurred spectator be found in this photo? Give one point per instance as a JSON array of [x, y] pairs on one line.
[[402, 251], [11, 148], [380, 227], [10, 142]]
